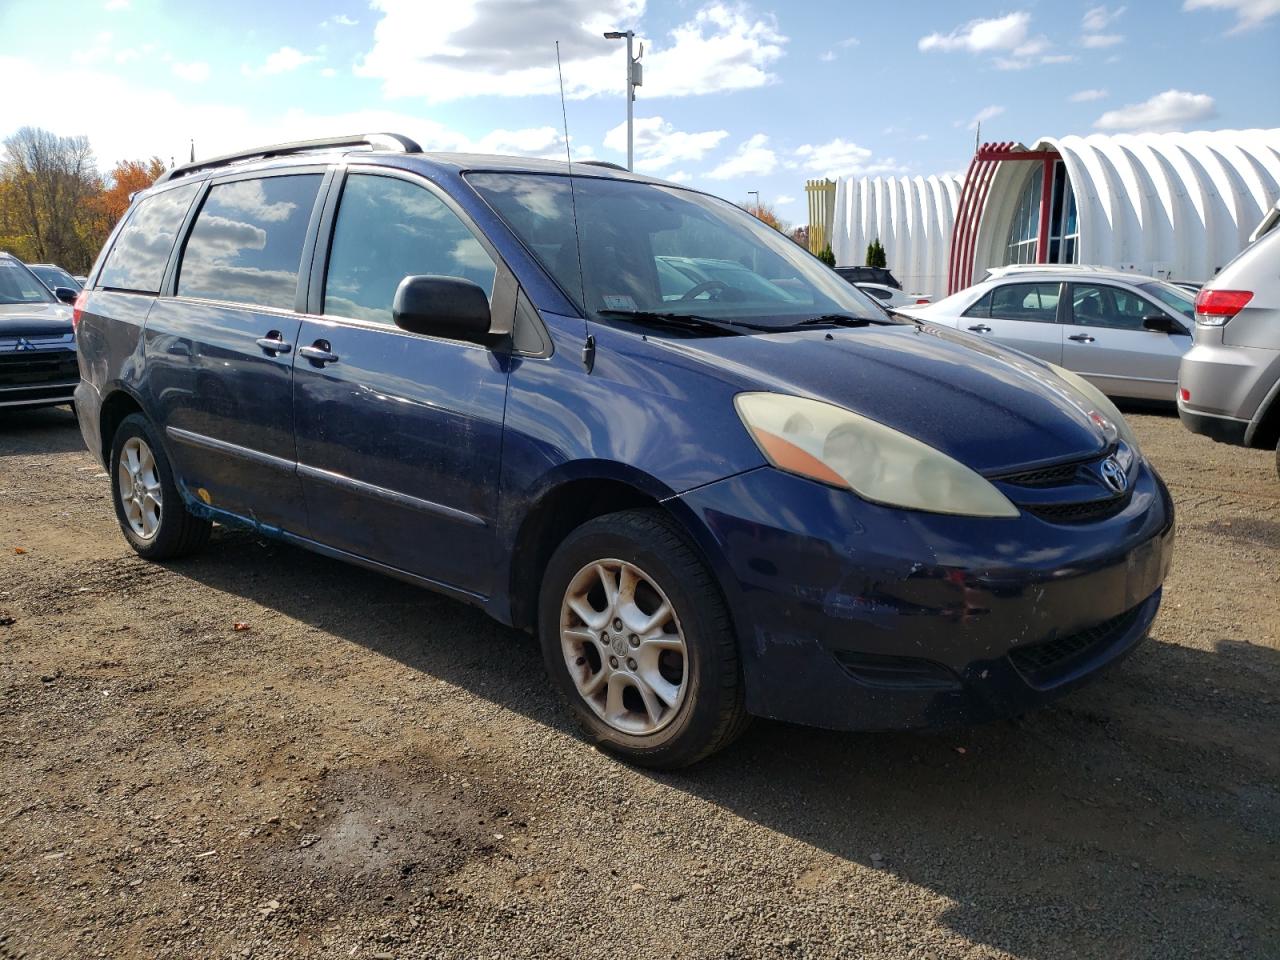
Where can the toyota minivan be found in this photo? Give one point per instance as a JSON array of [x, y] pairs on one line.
[[711, 476]]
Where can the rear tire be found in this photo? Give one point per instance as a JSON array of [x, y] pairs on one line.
[[149, 508], [638, 638]]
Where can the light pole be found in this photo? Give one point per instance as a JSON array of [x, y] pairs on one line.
[[756, 194], [635, 78]]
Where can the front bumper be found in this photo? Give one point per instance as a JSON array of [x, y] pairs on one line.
[[37, 371], [856, 616]]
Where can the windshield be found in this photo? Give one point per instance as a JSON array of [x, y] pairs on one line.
[[659, 249], [19, 285], [1173, 297], [54, 277]]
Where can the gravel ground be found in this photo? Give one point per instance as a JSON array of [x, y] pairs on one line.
[[369, 770]]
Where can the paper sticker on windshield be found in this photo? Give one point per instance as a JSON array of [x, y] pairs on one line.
[[616, 301]]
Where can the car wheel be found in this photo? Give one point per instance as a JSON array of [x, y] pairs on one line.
[[638, 638], [152, 515]]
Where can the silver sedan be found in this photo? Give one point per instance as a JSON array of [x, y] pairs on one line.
[[1124, 332]]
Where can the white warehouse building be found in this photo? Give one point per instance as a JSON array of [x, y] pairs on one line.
[[1175, 205]]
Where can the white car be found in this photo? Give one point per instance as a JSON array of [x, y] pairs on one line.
[[1124, 332], [891, 297]]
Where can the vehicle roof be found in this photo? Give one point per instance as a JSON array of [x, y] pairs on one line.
[[1064, 271]]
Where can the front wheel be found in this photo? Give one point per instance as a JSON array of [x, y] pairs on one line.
[[152, 515], [638, 638]]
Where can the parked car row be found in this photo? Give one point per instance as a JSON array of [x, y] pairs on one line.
[[38, 365]]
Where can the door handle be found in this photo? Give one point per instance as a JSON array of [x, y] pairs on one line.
[[980, 328], [274, 344], [319, 353], [1081, 338]]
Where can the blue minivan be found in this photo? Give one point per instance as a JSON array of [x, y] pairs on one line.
[[711, 476]]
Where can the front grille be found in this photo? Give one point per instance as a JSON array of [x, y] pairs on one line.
[[38, 366], [1044, 663], [1055, 476], [878, 670], [1082, 512]]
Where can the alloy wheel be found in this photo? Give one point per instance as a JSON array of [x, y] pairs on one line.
[[624, 646], [138, 483]]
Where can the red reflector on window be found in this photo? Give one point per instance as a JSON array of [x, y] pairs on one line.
[[1222, 303]]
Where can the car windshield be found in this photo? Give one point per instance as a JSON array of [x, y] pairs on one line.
[[1173, 297], [54, 277], [651, 249], [19, 285]]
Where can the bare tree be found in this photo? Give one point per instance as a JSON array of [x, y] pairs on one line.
[[48, 181]]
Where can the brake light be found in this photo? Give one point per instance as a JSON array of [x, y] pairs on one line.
[[1216, 307], [920, 300], [78, 308]]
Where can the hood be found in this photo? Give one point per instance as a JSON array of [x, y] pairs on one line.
[[990, 408], [34, 320]]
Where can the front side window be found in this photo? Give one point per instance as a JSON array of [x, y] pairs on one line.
[[1036, 302], [246, 244], [388, 229], [981, 307], [1100, 305], [138, 257], [19, 285], [1175, 298], [641, 247]]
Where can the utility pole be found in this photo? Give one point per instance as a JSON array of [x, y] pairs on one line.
[[756, 194], [635, 78]]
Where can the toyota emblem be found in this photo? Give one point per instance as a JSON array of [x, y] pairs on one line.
[[1113, 476]]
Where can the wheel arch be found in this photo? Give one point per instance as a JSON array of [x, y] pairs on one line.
[[116, 405]]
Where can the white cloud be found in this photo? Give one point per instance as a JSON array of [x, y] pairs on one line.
[[1171, 110], [195, 72], [114, 5], [1249, 13], [328, 72], [284, 60], [840, 158], [658, 144], [339, 20], [1084, 96], [1097, 19], [850, 42], [982, 36], [827, 56], [678, 177], [752, 158], [473, 48], [1097, 41], [985, 114], [134, 133], [782, 199]]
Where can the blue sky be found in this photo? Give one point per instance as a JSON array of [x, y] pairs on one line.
[[737, 96]]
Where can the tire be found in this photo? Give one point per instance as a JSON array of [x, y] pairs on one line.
[[160, 528], [674, 691]]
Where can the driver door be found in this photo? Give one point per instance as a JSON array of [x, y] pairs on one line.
[[1020, 315]]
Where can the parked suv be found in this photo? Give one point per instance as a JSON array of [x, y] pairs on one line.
[[38, 366], [748, 492], [1229, 382]]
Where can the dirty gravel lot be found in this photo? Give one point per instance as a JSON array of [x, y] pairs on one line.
[[373, 771]]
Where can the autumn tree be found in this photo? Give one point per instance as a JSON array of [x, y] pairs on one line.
[[766, 214], [124, 180], [47, 184]]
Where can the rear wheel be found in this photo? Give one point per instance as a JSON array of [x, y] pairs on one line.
[[149, 508], [637, 636]]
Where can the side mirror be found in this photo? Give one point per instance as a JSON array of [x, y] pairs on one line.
[[448, 307], [1160, 323], [65, 294]]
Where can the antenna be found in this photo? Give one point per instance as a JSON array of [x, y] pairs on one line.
[[589, 347]]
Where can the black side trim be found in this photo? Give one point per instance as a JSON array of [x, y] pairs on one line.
[[230, 449], [390, 496]]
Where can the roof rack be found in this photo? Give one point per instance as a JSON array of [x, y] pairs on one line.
[[393, 142], [604, 163]]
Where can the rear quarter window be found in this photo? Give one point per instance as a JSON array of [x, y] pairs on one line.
[[137, 260]]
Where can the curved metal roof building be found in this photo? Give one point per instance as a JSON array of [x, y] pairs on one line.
[[1178, 205]]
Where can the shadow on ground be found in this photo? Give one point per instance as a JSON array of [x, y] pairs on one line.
[[1139, 812]]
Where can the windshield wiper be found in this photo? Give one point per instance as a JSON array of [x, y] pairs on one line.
[[835, 320], [676, 321]]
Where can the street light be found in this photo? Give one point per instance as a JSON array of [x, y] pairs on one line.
[[756, 194], [635, 78]]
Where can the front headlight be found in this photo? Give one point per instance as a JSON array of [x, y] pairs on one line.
[[836, 446], [1102, 407]]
